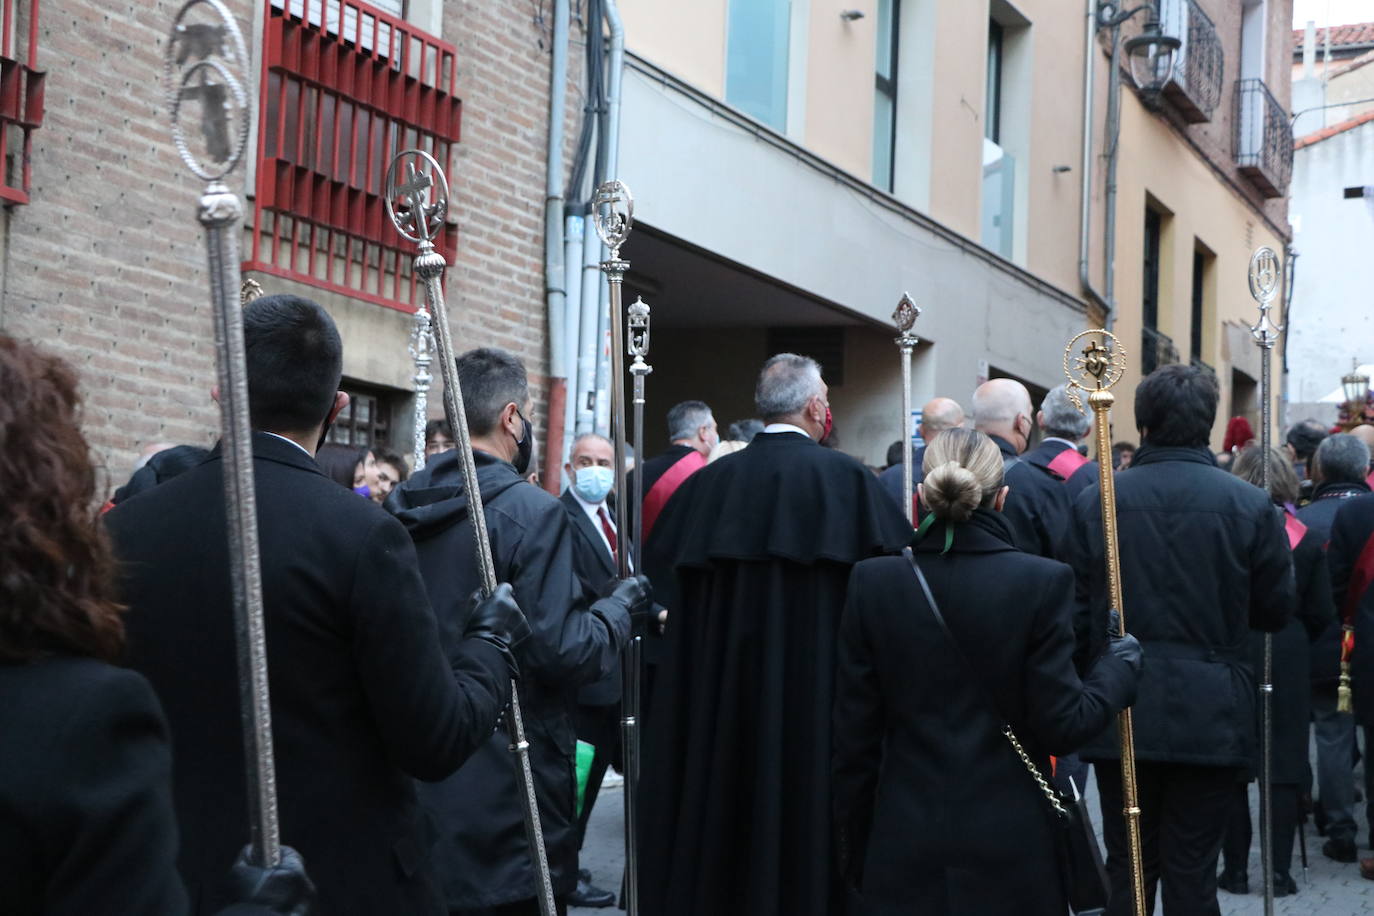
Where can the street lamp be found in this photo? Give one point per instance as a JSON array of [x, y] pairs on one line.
[[1355, 386], [1151, 54]]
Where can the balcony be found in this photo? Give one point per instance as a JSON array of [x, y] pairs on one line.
[[345, 85], [21, 97], [1264, 138], [1194, 87], [1156, 350]]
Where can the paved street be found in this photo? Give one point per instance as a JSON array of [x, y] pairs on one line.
[[1330, 889]]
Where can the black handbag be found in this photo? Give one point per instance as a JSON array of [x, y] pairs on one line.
[[1080, 858]]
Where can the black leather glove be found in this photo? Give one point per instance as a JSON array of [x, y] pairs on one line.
[[1127, 648], [498, 621], [283, 889], [635, 594]]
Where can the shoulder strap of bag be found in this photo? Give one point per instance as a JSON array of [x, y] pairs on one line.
[[1050, 795]]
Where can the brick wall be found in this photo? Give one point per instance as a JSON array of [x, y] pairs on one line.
[[106, 265]]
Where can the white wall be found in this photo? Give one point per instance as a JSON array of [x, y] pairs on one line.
[[1332, 316]]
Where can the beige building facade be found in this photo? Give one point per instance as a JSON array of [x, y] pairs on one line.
[[824, 157]]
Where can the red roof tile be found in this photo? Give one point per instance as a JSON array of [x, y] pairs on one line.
[[1327, 132], [1358, 33]]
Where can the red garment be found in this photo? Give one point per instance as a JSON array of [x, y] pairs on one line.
[[607, 530], [1238, 434]]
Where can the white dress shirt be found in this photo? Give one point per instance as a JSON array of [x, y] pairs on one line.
[[785, 428]]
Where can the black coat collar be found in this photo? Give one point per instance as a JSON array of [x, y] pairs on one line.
[[986, 531], [1339, 491], [274, 448], [1150, 454], [1008, 450]]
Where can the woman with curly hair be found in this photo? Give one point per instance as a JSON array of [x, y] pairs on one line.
[[86, 822]]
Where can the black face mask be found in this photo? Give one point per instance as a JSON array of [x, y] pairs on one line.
[[524, 448]]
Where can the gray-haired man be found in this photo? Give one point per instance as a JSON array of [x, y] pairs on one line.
[[1064, 427]]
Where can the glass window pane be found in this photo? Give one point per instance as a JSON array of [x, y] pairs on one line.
[[884, 59], [756, 59], [882, 140]]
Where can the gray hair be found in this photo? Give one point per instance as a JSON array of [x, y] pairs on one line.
[[1342, 458], [686, 418], [786, 382], [1062, 419], [583, 437]]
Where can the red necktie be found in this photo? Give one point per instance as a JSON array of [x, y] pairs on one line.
[[607, 530]]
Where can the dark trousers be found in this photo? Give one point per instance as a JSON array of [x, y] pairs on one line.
[[1236, 846], [1183, 812], [519, 908], [599, 726]]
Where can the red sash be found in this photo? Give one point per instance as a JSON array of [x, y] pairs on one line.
[[1295, 530], [667, 485], [1360, 578], [1066, 462]]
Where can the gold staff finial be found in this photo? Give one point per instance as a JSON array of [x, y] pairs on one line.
[[1098, 366]]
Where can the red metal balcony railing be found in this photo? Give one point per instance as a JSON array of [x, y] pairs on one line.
[[345, 86], [21, 96]]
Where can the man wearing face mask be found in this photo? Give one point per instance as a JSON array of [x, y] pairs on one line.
[[481, 852], [736, 774], [1037, 505]]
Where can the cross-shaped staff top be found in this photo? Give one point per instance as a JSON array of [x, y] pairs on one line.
[[1265, 273], [416, 196], [613, 212], [904, 317], [206, 63]]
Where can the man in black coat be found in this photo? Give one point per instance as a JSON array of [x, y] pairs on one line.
[[755, 552], [1063, 427], [692, 434], [363, 700], [1351, 559], [938, 415], [1338, 471], [1037, 506], [484, 857], [1204, 558]]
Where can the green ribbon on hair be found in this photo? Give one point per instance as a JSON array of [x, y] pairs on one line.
[[925, 526]]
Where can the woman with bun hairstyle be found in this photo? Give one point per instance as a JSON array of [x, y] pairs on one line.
[[934, 810]]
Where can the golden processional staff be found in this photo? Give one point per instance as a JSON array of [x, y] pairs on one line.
[[613, 211], [905, 317], [1100, 366], [206, 64], [1265, 272], [417, 202]]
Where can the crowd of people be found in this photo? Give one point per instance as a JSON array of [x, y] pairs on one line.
[[846, 711]]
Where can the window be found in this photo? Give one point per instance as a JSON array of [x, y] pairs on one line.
[[1149, 302], [885, 95], [21, 97], [344, 87], [756, 59], [366, 421], [992, 108]]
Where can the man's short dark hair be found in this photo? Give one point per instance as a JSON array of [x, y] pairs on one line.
[[1304, 437], [386, 456], [1176, 405], [686, 418], [894, 453], [437, 428], [295, 362], [491, 378]]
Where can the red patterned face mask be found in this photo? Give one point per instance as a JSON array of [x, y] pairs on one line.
[[829, 425]]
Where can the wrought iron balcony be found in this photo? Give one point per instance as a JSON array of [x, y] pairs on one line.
[[1194, 87], [1264, 138], [1156, 350]]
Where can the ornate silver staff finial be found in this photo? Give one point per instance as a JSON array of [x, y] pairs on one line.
[[421, 349], [417, 196], [249, 290], [613, 210], [206, 63], [637, 331], [905, 316], [1265, 273]]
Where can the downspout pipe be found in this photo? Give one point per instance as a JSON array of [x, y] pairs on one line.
[[1086, 169], [555, 290], [615, 27]]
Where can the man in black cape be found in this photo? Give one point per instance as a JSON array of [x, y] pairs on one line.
[[755, 551]]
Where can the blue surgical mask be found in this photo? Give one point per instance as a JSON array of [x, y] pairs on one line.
[[593, 483]]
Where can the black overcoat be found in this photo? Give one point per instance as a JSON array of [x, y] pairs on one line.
[[1043, 454], [483, 854], [1292, 663], [85, 791], [1351, 531], [1318, 516], [936, 813], [736, 777], [363, 698], [594, 568], [1204, 559], [1037, 506]]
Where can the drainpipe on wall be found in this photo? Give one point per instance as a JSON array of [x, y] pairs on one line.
[[554, 274], [1103, 302], [611, 139]]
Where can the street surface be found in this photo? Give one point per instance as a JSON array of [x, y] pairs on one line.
[[1329, 888]]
